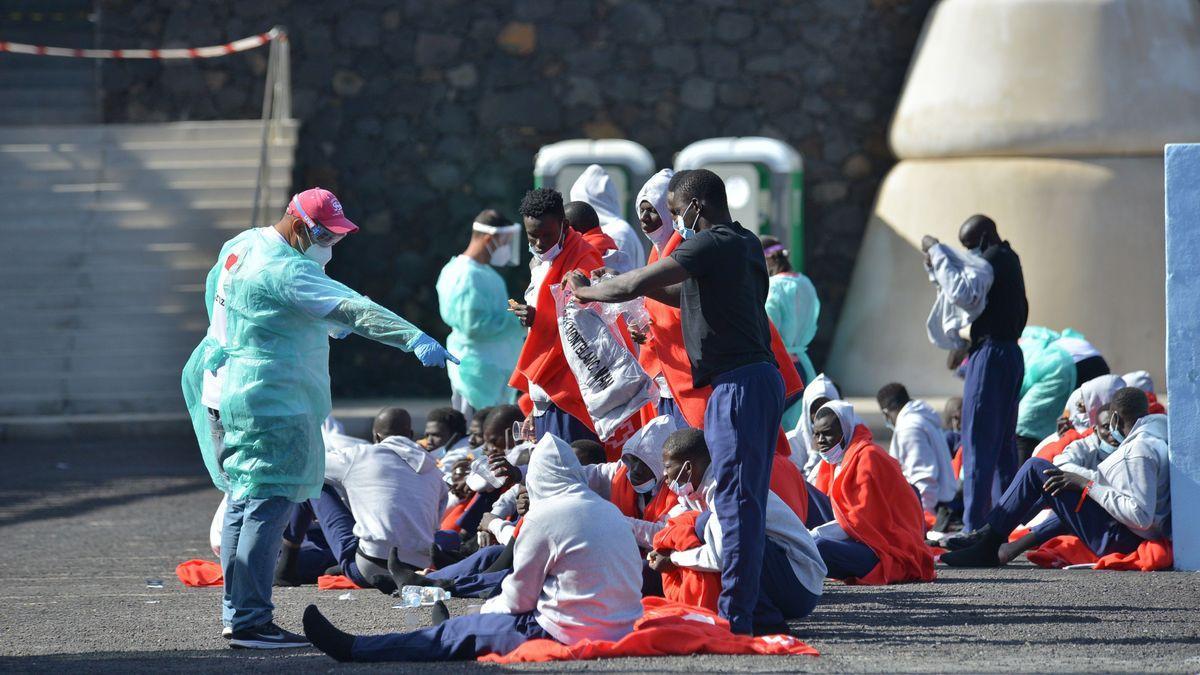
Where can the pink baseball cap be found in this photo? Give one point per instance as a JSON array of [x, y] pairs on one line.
[[322, 206]]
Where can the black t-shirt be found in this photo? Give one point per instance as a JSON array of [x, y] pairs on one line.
[[1006, 310], [722, 305]]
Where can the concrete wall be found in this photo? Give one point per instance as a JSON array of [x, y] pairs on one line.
[[1051, 121], [420, 114], [1183, 360]]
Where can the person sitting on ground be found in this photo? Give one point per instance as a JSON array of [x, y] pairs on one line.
[[951, 520], [919, 444], [818, 392], [446, 436], [792, 575], [589, 452], [576, 576], [1084, 455], [1125, 502], [952, 424], [582, 218], [1092, 396], [394, 499], [878, 534], [460, 494], [1142, 380]]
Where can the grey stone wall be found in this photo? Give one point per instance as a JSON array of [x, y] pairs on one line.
[[418, 114]]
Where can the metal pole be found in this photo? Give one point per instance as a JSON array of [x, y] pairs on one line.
[[267, 124]]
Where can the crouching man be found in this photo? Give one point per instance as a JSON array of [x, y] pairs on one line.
[[576, 576]]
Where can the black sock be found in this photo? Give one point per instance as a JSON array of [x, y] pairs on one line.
[[404, 574], [439, 613], [985, 552], [326, 637]]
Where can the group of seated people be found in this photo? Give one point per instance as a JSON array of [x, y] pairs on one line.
[[563, 544]]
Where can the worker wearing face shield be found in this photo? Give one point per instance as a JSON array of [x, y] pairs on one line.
[[473, 301], [257, 390]]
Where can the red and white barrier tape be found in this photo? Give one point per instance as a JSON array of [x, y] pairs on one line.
[[252, 42]]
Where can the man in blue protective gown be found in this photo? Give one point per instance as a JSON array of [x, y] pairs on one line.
[[473, 301], [257, 390]]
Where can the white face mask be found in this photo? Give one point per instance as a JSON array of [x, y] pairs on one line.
[[683, 488], [504, 248], [552, 252], [835, 454], [1080, 421], [682, 228], [321, 254], [645, 487]]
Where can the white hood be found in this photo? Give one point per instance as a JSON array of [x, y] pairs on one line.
[[820, 387], [408, 450], [916, 411], [1140, 379], [647, 443], [595, 187], [1097, 393], [1154, 426], [655, 192], [554, 471], [846, 417]]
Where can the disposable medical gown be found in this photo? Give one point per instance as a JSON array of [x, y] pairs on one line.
[[280, 310], [1049, 380], [793, 307], [485, 336]]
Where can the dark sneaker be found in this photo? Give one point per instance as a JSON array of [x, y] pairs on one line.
[[266, 636]]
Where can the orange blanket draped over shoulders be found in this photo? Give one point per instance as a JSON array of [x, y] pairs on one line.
[[596, 238], [875, 505], [542, 360], [626, 498]]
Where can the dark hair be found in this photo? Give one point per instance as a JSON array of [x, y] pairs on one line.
[[705, 186], [502, 417], [581, 216], [686, 444], [1131, 404], [453, 420], [589, 451], [676, 179], [892, 396], [481, 415], [981, 221], [542, 202], [777, 261], [392, 422]]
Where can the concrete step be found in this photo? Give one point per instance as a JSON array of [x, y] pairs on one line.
[[158, 399], [225, 214], [225, 130], [16, 339], [116, 197], [17, 117], [234, 171], [35, 156]]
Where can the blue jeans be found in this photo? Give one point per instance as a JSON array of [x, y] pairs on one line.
[[1092, 524], [846, 559], [741, 423], [460, 638], [250, 540], [562, 424], [989, 425]]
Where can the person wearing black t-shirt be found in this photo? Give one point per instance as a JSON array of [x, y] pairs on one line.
[[718, 278], [994, 370]]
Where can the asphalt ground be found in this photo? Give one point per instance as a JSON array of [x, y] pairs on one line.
[[84, 525]]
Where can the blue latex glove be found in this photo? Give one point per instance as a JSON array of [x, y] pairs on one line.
[[432, 354]]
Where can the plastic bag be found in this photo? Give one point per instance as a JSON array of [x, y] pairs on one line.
[[634, 311], [613, 384]]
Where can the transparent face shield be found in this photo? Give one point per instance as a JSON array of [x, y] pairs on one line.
[[506, 243]]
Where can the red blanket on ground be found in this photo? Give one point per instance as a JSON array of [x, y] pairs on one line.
[[1069, 550], [666, 629], [200, 573], [875, 505], [687, 586]]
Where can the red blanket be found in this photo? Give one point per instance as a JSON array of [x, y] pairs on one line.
[[1069, 550], [626, 499], [686, 586], [666, 629], [596, 238], [1052, 450], [200, 573], [875, 505], [331, 582], [542, 360], [788, 483]]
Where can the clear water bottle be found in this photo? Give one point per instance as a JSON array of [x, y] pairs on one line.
[[432, 594], [410, 596]]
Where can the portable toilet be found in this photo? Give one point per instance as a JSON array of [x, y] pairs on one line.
[[764, 182], [629, 164]]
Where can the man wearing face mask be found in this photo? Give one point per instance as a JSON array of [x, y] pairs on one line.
[[472, 300], [1125, 501], [718, 278], [257, 390], [995, 369], [542, 369]]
